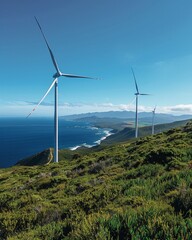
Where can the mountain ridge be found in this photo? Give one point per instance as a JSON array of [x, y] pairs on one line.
[[127, 115]]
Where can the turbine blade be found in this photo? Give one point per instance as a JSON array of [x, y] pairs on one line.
[[135, 80], [132, 101], [77, 76], [43, 97], [50, 51]]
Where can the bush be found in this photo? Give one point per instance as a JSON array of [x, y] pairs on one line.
[[182, 202], [163, 155]]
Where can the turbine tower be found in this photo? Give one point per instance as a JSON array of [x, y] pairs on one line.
[[153, 118], [56, 76], [137, 94]]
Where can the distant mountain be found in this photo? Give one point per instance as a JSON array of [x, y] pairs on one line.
[[110, 114], [129, 116]]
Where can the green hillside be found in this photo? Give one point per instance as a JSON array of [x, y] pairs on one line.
[[41, 158], [129, 132], [135, 190]]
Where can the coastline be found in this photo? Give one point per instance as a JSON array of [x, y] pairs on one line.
[[108, 132], [27, 138]]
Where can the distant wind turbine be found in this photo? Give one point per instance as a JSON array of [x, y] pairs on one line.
[[137, 99], [153, 118], [55, 83]]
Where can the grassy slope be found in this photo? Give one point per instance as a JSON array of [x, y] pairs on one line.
[[129, 132], [135, 190], [42, 158]]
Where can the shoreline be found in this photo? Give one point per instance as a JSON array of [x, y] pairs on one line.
[[95, 135], [96, 143]]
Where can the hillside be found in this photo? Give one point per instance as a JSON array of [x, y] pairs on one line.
[[136, 190], [42, 158], [129, 132]]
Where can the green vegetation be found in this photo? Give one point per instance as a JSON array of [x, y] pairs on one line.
[[129, 132], [134, 190], [42, 158]]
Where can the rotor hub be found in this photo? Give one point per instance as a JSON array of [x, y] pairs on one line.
[[57, 75]]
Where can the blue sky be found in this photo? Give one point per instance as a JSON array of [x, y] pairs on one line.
[[102, 38]]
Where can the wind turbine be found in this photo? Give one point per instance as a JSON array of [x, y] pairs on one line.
[[153, 117], [137, 94], [56, 76]]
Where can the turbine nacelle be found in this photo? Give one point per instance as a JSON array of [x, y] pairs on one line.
[[142, 94], [57, 75], [153, 111]]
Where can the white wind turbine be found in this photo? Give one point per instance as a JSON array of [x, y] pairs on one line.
[[137, 94], [153, 118], [55, 83]]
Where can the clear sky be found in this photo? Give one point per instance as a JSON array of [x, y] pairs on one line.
[[102, 38]]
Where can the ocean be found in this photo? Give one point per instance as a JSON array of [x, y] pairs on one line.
[[21, 137]]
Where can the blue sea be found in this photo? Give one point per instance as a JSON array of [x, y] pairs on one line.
[[21, 137]]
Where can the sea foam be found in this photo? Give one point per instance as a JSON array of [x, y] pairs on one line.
[[98, 142]]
